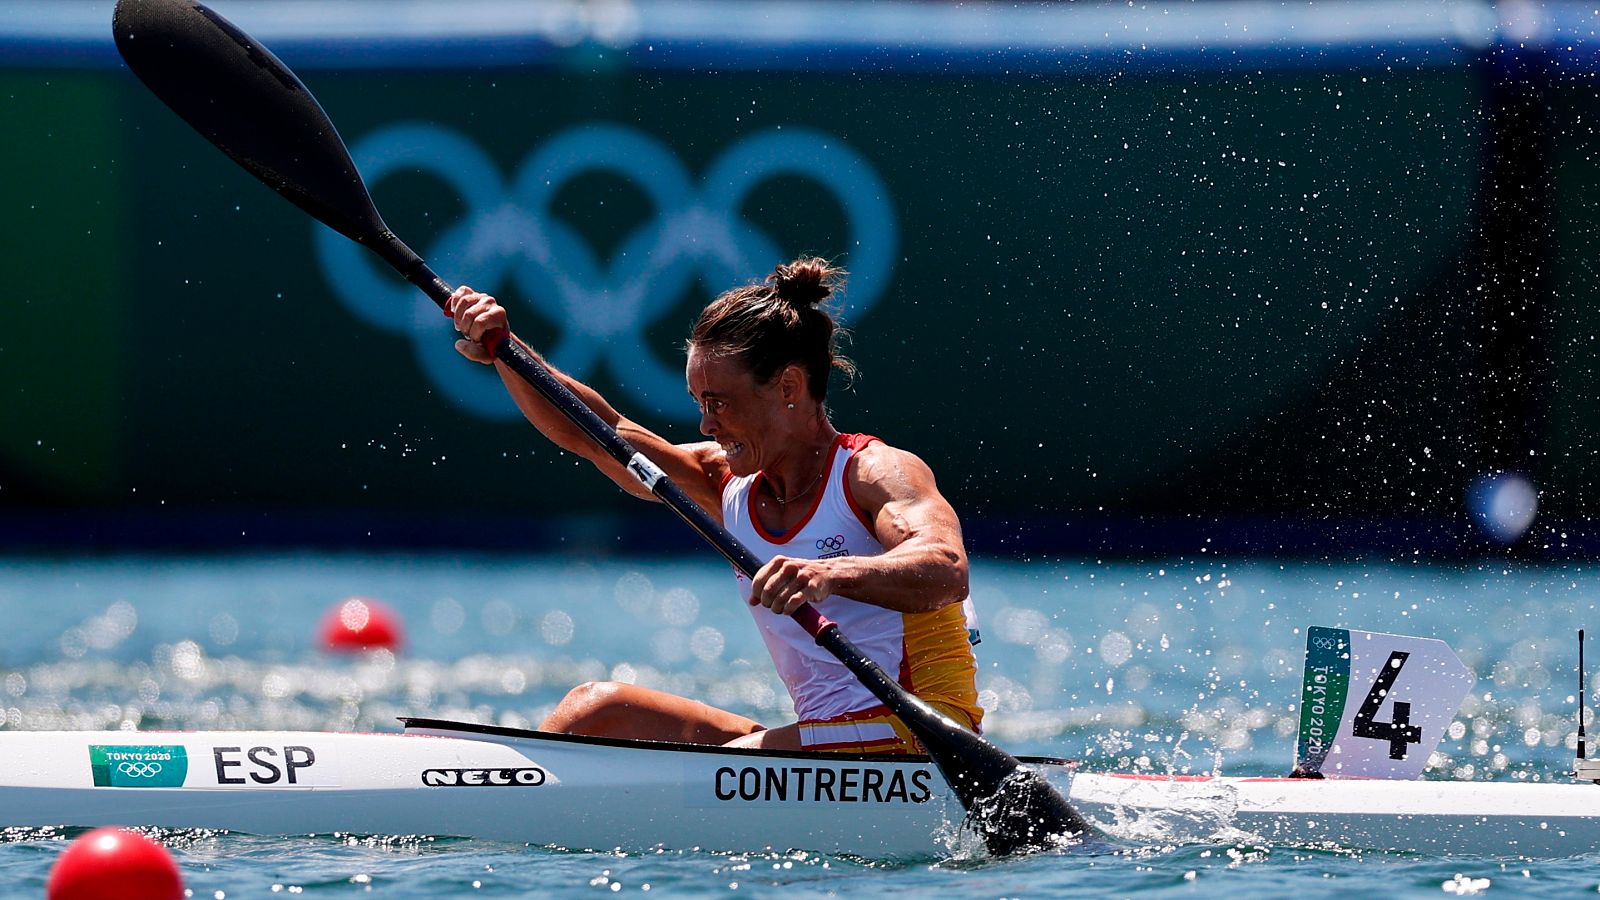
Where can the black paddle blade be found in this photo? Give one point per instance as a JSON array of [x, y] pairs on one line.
[[1011, 807], [246, 101]]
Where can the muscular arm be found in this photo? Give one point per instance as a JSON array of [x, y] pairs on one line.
[[697, 468], [923, 566]]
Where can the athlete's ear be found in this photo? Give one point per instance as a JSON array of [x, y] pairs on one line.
[[792, 383]]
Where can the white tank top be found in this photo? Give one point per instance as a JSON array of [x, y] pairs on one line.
[[819, 684]]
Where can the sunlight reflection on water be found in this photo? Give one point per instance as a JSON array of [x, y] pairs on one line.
[[1186, 667]]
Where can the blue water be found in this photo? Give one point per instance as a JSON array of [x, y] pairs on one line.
[[1186, 666]]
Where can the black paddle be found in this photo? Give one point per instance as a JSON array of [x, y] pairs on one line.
[[246, 101]]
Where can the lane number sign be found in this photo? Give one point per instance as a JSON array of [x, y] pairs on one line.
[[1375, 705]]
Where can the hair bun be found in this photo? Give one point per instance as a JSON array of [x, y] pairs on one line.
[[806, 281]]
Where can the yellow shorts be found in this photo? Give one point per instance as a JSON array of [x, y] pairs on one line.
[[871, 730]]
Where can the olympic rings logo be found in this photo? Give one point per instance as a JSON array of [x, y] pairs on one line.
[[831, 543], [139, 769], [507, 236]]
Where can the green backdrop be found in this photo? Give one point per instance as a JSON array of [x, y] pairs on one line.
[[1137, 293]]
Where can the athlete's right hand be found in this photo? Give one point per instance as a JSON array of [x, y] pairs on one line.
[[475, 315]]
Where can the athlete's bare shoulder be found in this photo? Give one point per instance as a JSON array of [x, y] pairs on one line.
[[896, 472]]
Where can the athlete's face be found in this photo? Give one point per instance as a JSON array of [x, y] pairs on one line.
[[742, 416]]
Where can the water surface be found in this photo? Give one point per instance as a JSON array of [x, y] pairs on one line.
[[1190, 667]]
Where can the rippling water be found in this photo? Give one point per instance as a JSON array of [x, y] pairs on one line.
[[1188, 667]]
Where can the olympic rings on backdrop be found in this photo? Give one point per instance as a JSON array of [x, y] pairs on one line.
[[139, 769], [603, 307]]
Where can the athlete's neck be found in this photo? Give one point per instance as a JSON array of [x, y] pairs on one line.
[[800, 472]]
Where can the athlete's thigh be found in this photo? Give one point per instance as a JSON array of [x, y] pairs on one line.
[[615, 709], [784, 737]]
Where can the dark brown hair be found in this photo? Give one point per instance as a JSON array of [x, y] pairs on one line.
[[781, 321]]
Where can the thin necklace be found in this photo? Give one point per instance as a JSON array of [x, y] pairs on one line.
[[784, 501]]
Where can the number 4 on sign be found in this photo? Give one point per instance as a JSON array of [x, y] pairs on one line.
[[1409, 687], [1398, 731]]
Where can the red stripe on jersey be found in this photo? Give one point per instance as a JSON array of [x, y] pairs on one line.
[[870, 712]]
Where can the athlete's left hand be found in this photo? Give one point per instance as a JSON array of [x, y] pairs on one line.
[[785, 584]]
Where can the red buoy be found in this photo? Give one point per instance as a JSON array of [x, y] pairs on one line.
[[112, 862], [360, 624]]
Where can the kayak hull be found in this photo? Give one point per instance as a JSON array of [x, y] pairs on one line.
[[482, 782], [485, 782]]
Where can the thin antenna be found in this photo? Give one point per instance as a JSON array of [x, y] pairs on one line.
[[1580, 693]]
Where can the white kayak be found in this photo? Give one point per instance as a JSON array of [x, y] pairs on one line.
[[480, 781]]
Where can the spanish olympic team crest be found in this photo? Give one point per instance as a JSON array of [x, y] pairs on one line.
[[602, 307]]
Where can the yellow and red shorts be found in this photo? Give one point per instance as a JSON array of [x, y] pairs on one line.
[[872, 730]]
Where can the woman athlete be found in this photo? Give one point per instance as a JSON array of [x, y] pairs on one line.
[[842, 521]]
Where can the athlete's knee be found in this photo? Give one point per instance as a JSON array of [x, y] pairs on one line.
[[594, 694], [588, 706]]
